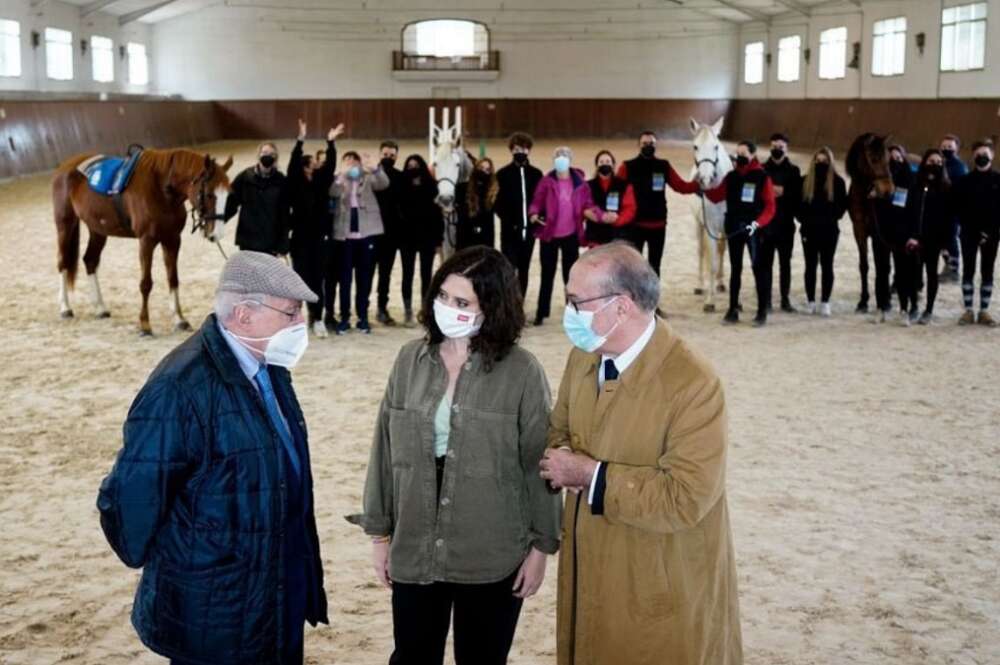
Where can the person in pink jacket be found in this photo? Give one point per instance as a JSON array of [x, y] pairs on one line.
[[556, 212]]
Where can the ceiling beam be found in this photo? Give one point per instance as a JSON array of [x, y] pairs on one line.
[[139, 13], [794, 6], [752, 13], [95, 6]]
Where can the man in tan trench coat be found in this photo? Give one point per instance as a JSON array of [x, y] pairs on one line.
[[638, 436]]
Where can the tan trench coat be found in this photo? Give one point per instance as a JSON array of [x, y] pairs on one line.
[[653, 580]]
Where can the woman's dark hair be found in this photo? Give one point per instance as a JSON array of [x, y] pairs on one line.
[[350, 154], [495, 283], [750, 146], [605, 152], [425, 171], [945, 181]]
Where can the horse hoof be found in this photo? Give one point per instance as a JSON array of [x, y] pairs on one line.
[[699, 292], [68, 314], [104, 315], [708, 308], [145, 333], [182, 326]]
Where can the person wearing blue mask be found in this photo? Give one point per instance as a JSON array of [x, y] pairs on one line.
[[460, 520], [357, 228], [557, 214], [956, 169], [638, 437], [211, 493]]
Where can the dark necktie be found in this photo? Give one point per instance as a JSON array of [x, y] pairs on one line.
[[271, 406], [610, 371]]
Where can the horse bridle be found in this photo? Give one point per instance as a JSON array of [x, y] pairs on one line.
[[702, 196], [198, 217]]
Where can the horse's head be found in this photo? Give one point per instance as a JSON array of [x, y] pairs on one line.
[[710, 157], [868, 164], [207, 193], [448, 163]]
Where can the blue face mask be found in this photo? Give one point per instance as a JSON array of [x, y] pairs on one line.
[[354, 173], [578, 327], [561, 163]]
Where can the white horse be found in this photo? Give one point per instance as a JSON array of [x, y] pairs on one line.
[[711, 164], [451, 165]]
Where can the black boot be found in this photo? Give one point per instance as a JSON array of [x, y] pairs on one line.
[[760, 319], [731, 317]]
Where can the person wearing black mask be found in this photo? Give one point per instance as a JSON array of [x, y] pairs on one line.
[[475, 203], [421, 229], [614, 203], [260, 194], [895, 235], [823, 203], [956, 169], [977, 197], [312, 226], [779, 237], [649, 178], [388, 243], [750, 205], [516, 184], [930, 211]]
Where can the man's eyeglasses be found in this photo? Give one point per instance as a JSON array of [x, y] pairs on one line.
[[291, 315], [576, 303]]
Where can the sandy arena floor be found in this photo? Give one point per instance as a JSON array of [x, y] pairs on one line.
[[863, 475]]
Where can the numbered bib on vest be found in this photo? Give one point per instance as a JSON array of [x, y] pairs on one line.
[[749, 190], [899, 197], [612, 203], [659, 182]]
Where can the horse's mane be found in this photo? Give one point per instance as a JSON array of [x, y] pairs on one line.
[[180, 161]]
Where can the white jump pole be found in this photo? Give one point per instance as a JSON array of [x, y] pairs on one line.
[[458, 124], [430, 135]]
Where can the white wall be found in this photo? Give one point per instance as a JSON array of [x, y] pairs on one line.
[[921, 78], [228, 53], [51, 14]]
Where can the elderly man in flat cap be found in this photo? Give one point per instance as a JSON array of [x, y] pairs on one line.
[[211, 494]]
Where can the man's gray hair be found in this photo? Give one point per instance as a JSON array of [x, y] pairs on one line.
[[627, 273], [564, 151], [226, 302]]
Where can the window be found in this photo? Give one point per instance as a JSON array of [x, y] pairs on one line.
[[753, 63], [889, 47], [446, 39], [59, 54], [102, 59], [963, 38], [138, 64], [10, 48], [833, 53], [789, 50]]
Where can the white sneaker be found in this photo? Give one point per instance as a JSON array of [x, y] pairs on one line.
[[811, 307], [904, 319], [826, 310], [319, 329]]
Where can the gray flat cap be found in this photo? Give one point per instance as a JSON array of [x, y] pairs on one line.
[[256, 272]]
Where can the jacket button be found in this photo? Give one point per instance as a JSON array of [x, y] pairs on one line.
[[439, 542], [455, 408], [445, 501], [450, 453]]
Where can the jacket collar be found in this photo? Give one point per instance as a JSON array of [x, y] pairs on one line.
[[433, 353], [649, 362], [220, 353]]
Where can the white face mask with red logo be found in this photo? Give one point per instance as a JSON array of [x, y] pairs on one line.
[[456, 323]]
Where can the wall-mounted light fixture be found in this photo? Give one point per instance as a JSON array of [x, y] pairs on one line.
[[921, 42], [807, 54], [855, 62], [121, 51], [83, 47], [36, 39], [767, 59]]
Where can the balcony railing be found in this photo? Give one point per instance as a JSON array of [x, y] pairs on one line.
[[484, 62]]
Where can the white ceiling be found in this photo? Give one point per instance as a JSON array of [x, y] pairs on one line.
[[607, 16]]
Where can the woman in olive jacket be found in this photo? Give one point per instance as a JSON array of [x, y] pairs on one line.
[[460, 520]]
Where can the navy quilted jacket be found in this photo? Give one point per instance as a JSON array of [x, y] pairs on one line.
[[196, 499]]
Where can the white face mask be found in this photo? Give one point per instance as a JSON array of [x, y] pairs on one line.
[[456, 323], [284, 348]]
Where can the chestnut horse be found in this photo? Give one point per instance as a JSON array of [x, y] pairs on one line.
[[867, 164], [154, 213]]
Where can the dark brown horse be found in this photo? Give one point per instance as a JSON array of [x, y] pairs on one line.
[[154, 213], [867, 164]]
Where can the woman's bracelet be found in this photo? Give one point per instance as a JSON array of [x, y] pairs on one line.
[[378, 540]]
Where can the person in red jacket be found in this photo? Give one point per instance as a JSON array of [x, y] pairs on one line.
[[649, 178], [614, 204], [750, 205]]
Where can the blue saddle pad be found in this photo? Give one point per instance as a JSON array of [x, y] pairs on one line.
[[111, 175]]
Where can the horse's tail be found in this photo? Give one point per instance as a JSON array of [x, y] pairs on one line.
[[67, 228]]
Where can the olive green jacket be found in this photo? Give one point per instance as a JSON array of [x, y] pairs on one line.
[[493, 505]]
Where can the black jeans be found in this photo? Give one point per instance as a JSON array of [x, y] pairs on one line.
[[485, 620], [386, 249], [907, 271], [737, 244], [655, 238], [987, 254], [518, 251], [357, 260], [549, 250], [312, 260], [819, 249], [408, 258], [951, 250], [781, 242], [928, 261]]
